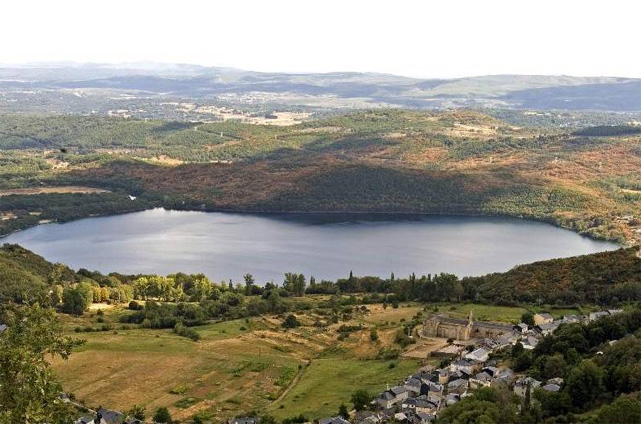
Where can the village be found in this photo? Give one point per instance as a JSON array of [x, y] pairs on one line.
[[467, 364]]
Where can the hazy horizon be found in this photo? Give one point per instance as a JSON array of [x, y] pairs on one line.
[[415, 39], [157, 65]]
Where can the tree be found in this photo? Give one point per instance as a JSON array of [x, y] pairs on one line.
[[343, 412], [294, 283], [361, 399], [528, 318], [249, 284], [29, 392], [76, 300], [373, 334], [291, 321], [624, 410], [585, 384], [138, 412], [162, 415]]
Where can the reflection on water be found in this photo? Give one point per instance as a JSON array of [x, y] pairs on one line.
[[227, 245]]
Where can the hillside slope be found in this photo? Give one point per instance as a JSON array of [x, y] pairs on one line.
[[454, 162]]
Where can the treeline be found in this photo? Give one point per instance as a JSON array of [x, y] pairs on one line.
[[602, 278], [609, 130], [607, 278], [61, 207]]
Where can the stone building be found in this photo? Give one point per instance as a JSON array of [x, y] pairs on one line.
[[440, 325]]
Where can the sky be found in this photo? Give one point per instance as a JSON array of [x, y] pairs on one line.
[[428, 39]]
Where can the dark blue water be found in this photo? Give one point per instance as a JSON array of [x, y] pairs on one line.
[[226, 245]]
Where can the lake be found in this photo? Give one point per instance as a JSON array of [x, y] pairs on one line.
[[229, 245]]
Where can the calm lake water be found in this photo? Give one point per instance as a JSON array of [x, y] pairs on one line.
[[227, 245]]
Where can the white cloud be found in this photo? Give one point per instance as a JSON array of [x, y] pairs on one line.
[[418, 38]]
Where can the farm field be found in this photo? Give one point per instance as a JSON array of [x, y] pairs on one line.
[[237, 366], [249, 364]]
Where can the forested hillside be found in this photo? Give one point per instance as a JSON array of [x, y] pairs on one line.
[[453, 162], [602, 278]]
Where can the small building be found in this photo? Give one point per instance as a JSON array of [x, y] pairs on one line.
[[597, 315], [529, 342], [458, 386], [480, 380], [521, 328], [521, 385], [542, 318], [481, 354], [548, 327], [391, 397], [551, 387]]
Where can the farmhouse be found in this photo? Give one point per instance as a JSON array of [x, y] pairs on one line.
[[441, 325]]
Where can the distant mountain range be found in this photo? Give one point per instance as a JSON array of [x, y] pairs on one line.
[[18, 85]]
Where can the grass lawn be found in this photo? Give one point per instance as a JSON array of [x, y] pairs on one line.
[[483, 312], [327, 383]]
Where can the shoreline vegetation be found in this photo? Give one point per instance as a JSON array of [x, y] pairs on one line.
[[459, 162], [617, 240]]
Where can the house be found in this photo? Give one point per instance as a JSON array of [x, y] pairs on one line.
[[432, 390], [529, 342], [400, 417], [571, 319], [413, 385], [424, 418], [391, 397], [542, 318], [521, 328], [452, 398], [368, 417], [457, 386], [443, 376], [111, 417], [386, 400], [334, 420], [504, 377], [103, 416], [461, 365], [557, 380], [481, 354], [492, 371], [548, 327], [521, 385], [597, 315], [481, 379], [420, 404], [244, 420]]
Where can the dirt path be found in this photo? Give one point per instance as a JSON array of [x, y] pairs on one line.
[[292, 384]]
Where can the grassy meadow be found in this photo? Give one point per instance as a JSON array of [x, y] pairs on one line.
[[251, 364]]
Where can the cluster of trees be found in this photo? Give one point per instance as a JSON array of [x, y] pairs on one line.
[[607, 278], [29, 391], [64, 207], [609, 130], [595, 371]]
